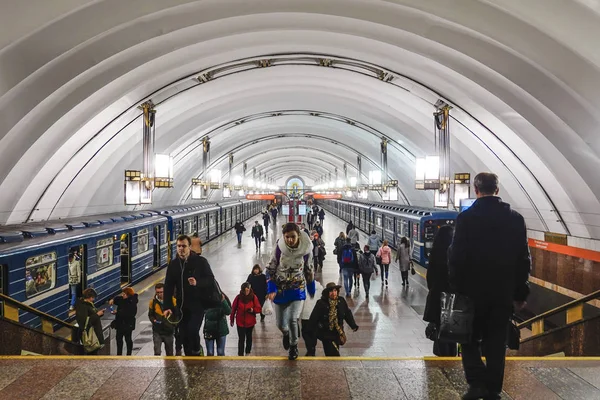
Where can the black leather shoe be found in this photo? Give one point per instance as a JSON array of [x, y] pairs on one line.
[[475, 393], [293, 353], [286, 341]]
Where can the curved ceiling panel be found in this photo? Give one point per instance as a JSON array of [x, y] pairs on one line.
[[342, 74]]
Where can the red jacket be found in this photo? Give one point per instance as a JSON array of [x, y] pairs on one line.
[[241, 312]]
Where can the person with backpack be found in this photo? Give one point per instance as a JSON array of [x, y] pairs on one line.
[[125, 319], [215, 327], [162, 330], [88, 320], [366, 266], [386, 257], [290, 276], [257, 234], [349, 266], [243, 312], [258, 282], [239, 231], [340, 241], [319, 228]]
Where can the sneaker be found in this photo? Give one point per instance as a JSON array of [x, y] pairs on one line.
[[293, 353], [286, 341], [386, 283], [71, 308], [403, 283]]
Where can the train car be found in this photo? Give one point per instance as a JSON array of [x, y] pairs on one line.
[[391, 222]]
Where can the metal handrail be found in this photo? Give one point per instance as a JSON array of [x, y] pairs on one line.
[[11, 307], [573, 308]]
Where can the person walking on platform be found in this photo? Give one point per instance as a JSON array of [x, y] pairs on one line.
[[349, 227], [303, 229], [243, 312], [403, 259], [366, 267], [437, 282], [290, 276], [196, 246], [162, 330], [258, 282], [489, 262], [349, 266], [354, 237], [239, 231], [319, 228], [309, 335], [328, 318], [374, 242], [257, 234], [215, 327], [310, 219], [190, 276], [125, 319], [84, 309], [318, 252], [321, 216], [266, 221], [274, 213], [340, 241], [386, 258]]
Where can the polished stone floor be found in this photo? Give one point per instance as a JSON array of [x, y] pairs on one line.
[[249, 378], [390, 320]]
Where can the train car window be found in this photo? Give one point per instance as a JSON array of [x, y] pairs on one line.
[[188, 226], [165, 233], [142, 240], [212, 220], [40, 274], [416, 233], [180, 227], [378, 219], [196, 223], [104, 253]]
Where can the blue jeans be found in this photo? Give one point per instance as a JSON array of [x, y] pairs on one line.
[[287, 316], [348, 275], [257, 241], [210, 346], [239, 237], [73, 294]]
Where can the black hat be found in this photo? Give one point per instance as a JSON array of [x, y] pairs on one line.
[[331, 285]]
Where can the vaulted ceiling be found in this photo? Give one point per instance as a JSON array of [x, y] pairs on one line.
[[300, 87]]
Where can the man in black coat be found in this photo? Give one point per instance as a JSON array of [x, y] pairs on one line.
[[193, 272], [239, 230], [489, 262]]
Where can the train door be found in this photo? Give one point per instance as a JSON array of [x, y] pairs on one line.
[[156, 247], [125, 259], [77, 276]]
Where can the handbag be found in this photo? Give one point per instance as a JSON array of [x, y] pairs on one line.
[[262, 239], [378, 260], [267, 308], [513, 338], [89, 339], [456, 318], [335, 251], [412, 269]]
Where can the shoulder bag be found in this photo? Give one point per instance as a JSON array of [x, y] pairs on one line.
[[89, 339]]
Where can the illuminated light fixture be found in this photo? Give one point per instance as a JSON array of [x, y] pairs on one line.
[[339, 184], [226, 192], [363, 194], [197, 189], [462, 187], [420, 173], [241, 193], [133, 188], [349, 193], [163, 171], [432, 168], [440, 198], [215, 179], [353, 181], [250, 183], [375, 177], [238, 182]]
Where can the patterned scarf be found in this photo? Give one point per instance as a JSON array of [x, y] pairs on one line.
[[333, 316]]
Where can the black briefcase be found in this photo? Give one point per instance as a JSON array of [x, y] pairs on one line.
[[456, 318]]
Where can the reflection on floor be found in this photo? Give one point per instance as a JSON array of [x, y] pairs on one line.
[[155, 378], [390, 319]]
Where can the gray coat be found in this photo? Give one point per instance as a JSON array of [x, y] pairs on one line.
[[403, 257]]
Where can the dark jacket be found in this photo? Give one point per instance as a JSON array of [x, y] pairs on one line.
[[160, 324], [319, 229], [215, 321], [266, 219], [239, 227], [354, 263], [349, 227], [259, 286], [310, 218], [126, 311], [240, 312], [84, 309], [319, 318], [437, 282], [489, 257], [322, 214], [257, 231], [274, 213], [338, 244], [178, 273]]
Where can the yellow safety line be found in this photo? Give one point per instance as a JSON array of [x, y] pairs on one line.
[[283, 358]]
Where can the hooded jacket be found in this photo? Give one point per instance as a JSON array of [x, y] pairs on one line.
[[244, 313], [374, 242], [354, 236], [290, 272], [215, 321], [489, 257]]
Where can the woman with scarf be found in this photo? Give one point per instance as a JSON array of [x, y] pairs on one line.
[[328, 317], [290, 276], [243, 311]]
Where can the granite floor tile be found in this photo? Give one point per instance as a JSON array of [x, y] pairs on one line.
[[373, 383], [82, 383], [520, 384], [8, 373], [590, 375], [324, 383], [566, 384], [35, 383], [126, 383], [226, 383], [425, 383], [172, 383], [275, 383]]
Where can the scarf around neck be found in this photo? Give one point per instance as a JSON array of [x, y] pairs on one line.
[[333, 316]]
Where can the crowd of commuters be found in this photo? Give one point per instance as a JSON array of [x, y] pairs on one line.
[[485, 257]]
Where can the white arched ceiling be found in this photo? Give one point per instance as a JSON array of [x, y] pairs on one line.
[[523, 79]]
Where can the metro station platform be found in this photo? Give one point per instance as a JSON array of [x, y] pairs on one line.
[[390, 320], [173, 378]]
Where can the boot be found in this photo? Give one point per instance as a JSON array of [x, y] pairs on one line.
[[293, 354], [286, 342]]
